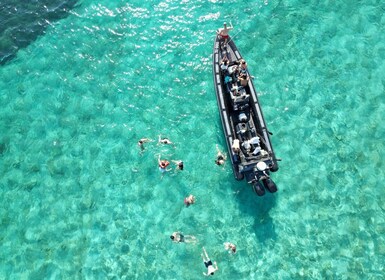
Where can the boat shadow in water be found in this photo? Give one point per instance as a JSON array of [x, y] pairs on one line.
[[22, 22], [258, 208]]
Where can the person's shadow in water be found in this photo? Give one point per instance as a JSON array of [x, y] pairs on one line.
[[257, 207]]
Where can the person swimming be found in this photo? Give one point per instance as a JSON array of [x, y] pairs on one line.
[[179, 237], [189, 200], [163, 165], [179, 164], [142, 141], [211, 267], [230, 247], [220, 157], [164, 140]]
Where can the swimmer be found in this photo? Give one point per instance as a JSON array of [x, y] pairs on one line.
[[230, 247], [179, 164], [220, 157], [163, 165], [142, 141], [189, 200], [164, 140], [211, 268], [179, 237]]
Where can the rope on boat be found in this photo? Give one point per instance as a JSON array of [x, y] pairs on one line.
[[231, 38]]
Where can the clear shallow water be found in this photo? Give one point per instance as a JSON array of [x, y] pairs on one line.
[[80, 201]]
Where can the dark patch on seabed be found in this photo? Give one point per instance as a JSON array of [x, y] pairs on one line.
[[22, 21]]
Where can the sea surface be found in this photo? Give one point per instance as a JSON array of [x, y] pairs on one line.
[[82, 81]]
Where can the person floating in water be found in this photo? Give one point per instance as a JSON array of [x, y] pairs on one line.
[[221, 157], [179, 237], [164, 140], [189, 200], [142, 141], [211, 267], [230, 247], [179, 164], [163, 165]]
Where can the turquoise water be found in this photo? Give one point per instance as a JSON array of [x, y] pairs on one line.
[[81, 201]]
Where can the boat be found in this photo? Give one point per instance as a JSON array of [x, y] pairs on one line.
[[247, 136]]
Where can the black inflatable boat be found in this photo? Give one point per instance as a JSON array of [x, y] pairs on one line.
[[247, 137]]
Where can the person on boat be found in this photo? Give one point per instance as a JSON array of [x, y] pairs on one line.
[[236, 89], [235, 146], [243, 79], [164, 140], [179, 164], [211, 267], [163, 165], [230, 247], [189, 200], [224, 64], [221, 157], [228, 82], [223, 33], [243, 66], [179, 237], [142, 141], [234, 72]]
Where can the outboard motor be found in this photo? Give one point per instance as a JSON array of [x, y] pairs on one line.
[[258, 188], [270, 185]]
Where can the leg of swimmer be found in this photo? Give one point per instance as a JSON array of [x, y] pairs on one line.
[[207, 256]]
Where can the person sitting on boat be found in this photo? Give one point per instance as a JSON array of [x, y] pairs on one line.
[[223, 33], [235, 146], [234, 72], [243, 66], [243, 79], [228, 82], [220, 157], [224, 64]]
